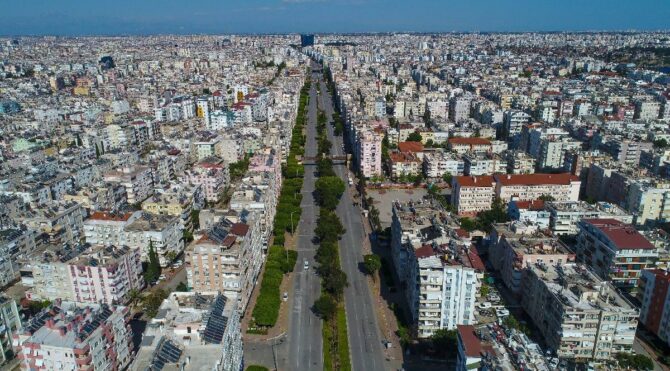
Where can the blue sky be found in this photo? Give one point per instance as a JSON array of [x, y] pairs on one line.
[[85, 17]]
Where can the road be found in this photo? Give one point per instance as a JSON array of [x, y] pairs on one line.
[[304, 335], [365, 340]]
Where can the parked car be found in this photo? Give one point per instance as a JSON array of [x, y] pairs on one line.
[[161, 277]]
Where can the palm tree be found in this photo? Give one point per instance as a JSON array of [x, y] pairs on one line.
[[134, 297]]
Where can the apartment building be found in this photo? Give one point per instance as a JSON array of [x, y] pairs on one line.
[[445, 292], [648, 200], [580, 316], [228, 258], [529, 212], [565, 215], [193, 331], [86, 274], [529, 187], [137, 230], [655, 311], [368, 152], [519, 162], [440, 271], [137, 181], [212, 176], [404, 164], [466, 145], [69, 336], [178, 200], [472, 194], [516, 250], [483, 164], [614, 250], [470, 350], [10, 322], [438, 163]]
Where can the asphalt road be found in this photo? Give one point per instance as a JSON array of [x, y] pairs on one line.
[[365, 340], [304, 335]]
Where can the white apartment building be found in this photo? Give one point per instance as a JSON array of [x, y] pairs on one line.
[[85, 274], [10, 322], [137, 230], [137, 181], [580, 316], [436, 164], [472, 194], [444, 295], [565, 215], [529, 187]]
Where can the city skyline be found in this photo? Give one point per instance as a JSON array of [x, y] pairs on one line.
[[78, 18]]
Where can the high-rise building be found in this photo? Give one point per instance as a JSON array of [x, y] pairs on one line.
[[580, 316], [306, 40], [614, 250]]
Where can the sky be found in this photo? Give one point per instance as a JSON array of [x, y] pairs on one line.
[[141, 17]]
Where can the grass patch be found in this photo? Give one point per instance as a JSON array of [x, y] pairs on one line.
[[257, 368], [343, 340], [327, 334]]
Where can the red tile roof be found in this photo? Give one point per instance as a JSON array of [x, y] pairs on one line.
[[471, 344], [623, 235], [410, 147], [535, 179], [239, 229], [475, 181], [403, 157], [470, 141], [424, 251], [530, 205], [475, 260], [97, 215]]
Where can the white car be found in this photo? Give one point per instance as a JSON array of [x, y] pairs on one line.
[[485, 305], [306, 265], [161, 277]]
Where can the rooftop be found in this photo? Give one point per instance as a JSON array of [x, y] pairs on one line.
[[622, 235]]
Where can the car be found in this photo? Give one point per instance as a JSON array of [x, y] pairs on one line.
[[306, 265], [161, 277], [485, 305], [502, 312], [285, 296]]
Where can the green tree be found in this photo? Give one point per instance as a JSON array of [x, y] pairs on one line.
[[547, 198], [660, 143], [328, 191], [335, 282], [468, 224], [372, 264], [414, 137], [445, 342], [447, 177], [325, 307], [134, 297], [153, 267], [181, 287]]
